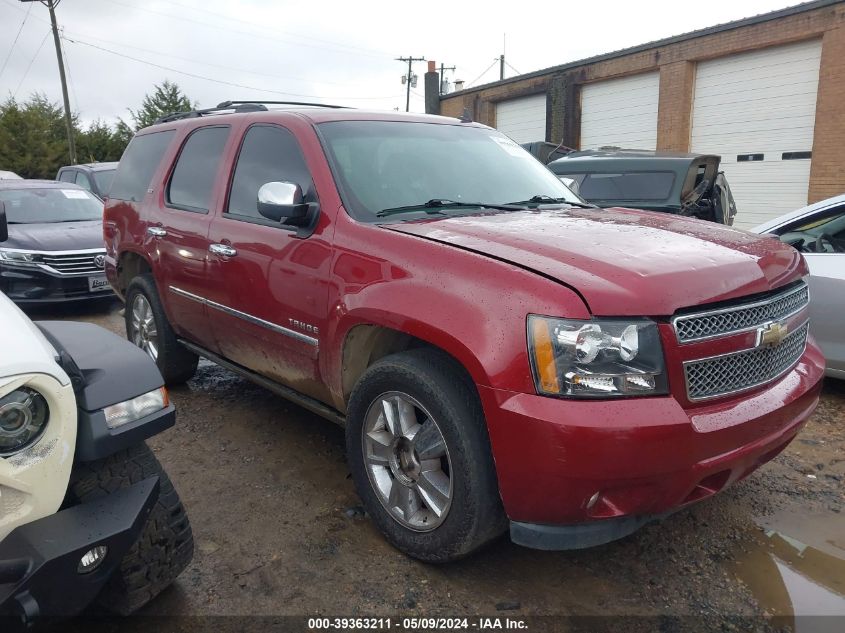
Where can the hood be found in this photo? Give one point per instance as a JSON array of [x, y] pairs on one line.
[[56, 236], [624, 262]]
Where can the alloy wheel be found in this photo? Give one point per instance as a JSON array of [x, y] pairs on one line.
[[144, 331], [407, 461]]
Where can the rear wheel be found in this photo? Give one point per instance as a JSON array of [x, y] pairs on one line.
[[420, 457], [148, 328], [166, 544]]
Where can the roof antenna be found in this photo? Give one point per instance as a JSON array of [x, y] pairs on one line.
[[466, 116]]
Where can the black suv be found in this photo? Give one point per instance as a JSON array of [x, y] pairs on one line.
[[671, 182], [95, 177]]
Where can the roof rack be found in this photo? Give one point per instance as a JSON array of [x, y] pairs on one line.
[[238, 107]]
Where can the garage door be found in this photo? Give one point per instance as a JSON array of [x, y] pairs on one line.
[[523, 119], [757, 110], [620, 112]]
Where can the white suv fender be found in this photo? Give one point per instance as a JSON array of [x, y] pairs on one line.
[[34, 480]]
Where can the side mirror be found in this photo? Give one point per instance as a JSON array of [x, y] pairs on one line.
[[4, 226], [278, 201]]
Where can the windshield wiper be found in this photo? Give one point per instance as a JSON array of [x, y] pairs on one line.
[[542, 198], [433, 206]]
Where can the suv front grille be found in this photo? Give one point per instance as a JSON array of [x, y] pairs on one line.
[[743, 317], [73, 263], [746, 369]]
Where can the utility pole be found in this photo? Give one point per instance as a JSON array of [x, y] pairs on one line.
[[409, 78], [502, 56], [51, 5], [442, 78]]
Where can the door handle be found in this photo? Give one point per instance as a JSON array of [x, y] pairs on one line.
[[156, 231], [224, 250]]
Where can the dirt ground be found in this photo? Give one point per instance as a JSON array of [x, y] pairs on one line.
[[279, 530]]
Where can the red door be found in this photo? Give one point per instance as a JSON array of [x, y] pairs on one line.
[[177, 234], [268, 303]]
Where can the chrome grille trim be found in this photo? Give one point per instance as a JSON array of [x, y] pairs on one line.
[[72, 262], [743, 370], [742, 317]]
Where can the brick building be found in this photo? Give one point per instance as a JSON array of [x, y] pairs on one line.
[[767, 93]]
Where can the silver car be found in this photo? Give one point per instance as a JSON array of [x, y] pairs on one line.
[[818, 231]]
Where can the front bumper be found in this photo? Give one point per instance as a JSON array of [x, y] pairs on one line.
[[580, 473], [33, 286], [39, 561]]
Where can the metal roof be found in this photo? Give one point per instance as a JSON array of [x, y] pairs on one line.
[[710, 30]]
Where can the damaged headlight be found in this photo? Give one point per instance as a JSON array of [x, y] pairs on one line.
[[23, 417], [136, 408], [596, 358]]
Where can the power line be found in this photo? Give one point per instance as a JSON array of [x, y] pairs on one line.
[[218, 81], [273, 38], [205, 63], [15, 40], [26, 72], [495, 61], [512, 68], [247, 22]]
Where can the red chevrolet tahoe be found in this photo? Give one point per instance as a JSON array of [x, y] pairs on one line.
[[501, 354]]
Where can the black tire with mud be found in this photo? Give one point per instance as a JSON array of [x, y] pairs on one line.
[[166, 544], [176, 363], [440, 384]]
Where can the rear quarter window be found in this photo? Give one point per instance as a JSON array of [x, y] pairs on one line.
[[138, 164], [196, 168], [652, 185]]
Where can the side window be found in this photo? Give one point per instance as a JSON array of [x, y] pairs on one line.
[[138, 164], [196, 169], [82, 181], [268, 154], [820, 233], [68, 175], [830, 223]]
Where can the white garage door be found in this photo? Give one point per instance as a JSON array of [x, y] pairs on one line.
[[523, 119], [620, 112], [757, 110]]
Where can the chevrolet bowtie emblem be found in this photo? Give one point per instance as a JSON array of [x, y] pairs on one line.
[[771, 334]]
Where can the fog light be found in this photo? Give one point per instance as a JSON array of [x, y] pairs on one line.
[[92, 559]]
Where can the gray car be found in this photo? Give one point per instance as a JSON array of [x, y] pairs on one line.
[[818, 231]]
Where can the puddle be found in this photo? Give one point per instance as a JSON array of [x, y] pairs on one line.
[[796, 568]]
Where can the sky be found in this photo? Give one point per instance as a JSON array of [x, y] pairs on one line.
[[330, 51]]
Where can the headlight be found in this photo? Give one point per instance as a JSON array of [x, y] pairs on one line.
[[19, 258], [137, 408], [596, 358], [23, 418]]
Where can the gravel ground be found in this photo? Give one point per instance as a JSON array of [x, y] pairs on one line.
[[279, 530]]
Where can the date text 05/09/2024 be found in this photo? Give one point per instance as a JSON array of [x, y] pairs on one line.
[[418, 624]]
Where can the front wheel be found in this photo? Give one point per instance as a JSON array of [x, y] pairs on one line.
[[420, 457]]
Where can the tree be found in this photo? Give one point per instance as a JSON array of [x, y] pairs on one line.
[[100, 143], [33, 140], [166, 98]]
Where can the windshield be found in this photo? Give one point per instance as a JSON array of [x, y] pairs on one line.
[[33, 206], [103, 178], [388, 165], [641, 185]]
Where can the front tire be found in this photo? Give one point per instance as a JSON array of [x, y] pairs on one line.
[[166, 544], [420, 457], [148, 328]]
